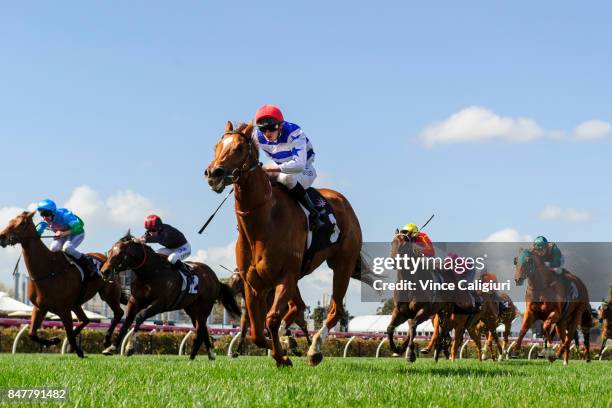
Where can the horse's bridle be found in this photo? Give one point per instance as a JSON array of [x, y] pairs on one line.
[[123, 266], [238, 172]]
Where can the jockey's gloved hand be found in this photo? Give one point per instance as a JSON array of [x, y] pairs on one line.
[[547, 264]]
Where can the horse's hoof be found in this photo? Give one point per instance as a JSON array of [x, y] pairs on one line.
[[315, 359], [79, 353], [235, 355], [129, 351], [412, 357], [284, 362], [212, 356], [396, 355], [564, 362], [425, 351]]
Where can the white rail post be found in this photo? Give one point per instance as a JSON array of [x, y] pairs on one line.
[[380, 346], [125, 341], [347, 346], [23, 329], [184, 343], [531, 350], [231, 345], [65, 345], [463, 346]]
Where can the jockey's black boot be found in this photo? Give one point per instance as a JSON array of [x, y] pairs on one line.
[[315, 215], [89, 269]]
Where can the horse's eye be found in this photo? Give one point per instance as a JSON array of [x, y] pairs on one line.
[[239, 149]]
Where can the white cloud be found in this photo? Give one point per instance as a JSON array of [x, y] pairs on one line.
[[592, 129], [123, 208], [215, 256], [508, 235], [479, 124], [475, 124], [553, 212], [128, 208]]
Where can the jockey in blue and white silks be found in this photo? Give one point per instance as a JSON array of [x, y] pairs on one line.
[[293, 156]]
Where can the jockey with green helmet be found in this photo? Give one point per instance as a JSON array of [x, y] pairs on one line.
[[69, 233], [549, 253]]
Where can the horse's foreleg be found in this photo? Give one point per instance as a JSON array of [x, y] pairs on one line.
[[528, 319], [548, 327], [397, 318], [434, 336], [38, 315], [111, 294], [132, 309], [282, 296], [244, 326], [256, 306]]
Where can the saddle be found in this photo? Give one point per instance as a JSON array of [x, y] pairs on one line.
[[190, 283], [324, 237]]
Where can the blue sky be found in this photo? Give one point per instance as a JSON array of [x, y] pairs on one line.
[[131, 97]]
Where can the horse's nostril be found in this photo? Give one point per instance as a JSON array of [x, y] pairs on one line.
[[206, 173], [218, 172]]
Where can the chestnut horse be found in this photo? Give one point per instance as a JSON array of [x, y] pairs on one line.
[[547, 301], [237, 285], [157, 289], [55, 284], [272, 235]]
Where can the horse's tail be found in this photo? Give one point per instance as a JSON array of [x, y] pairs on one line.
[[124, 297], [586, 320], [362, 271], [226, 296]]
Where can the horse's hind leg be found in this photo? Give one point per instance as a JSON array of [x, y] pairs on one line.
[[83, 320], [38, 315], [111, 294], [66, 317], [132, 309], [343, 268], [199, 318]]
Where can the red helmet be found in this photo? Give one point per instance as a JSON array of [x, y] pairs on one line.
[[152, 222], [269, 111]]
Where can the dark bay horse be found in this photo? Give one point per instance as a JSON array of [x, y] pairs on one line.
[[157, 287], [547, 300], [237, 285], [415, 306], [55, 284], [271, 243], [505, 318]]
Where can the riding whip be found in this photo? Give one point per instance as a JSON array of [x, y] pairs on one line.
[[213, 214], [430, 218]]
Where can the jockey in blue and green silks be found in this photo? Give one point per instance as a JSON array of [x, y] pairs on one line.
[[69, 232], [549, 253]]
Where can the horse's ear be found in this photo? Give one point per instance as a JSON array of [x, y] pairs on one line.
[[31, 214], [229, 126], [248, 129], [397, 231]]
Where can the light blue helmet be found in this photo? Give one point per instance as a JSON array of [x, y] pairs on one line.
[[47, 205]]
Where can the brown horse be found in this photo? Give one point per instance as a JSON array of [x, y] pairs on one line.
[[604, 315], [505, 318], [237, 285], [157, 289], [55, 284], [415, 306], [547, 300], [271, 243]]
